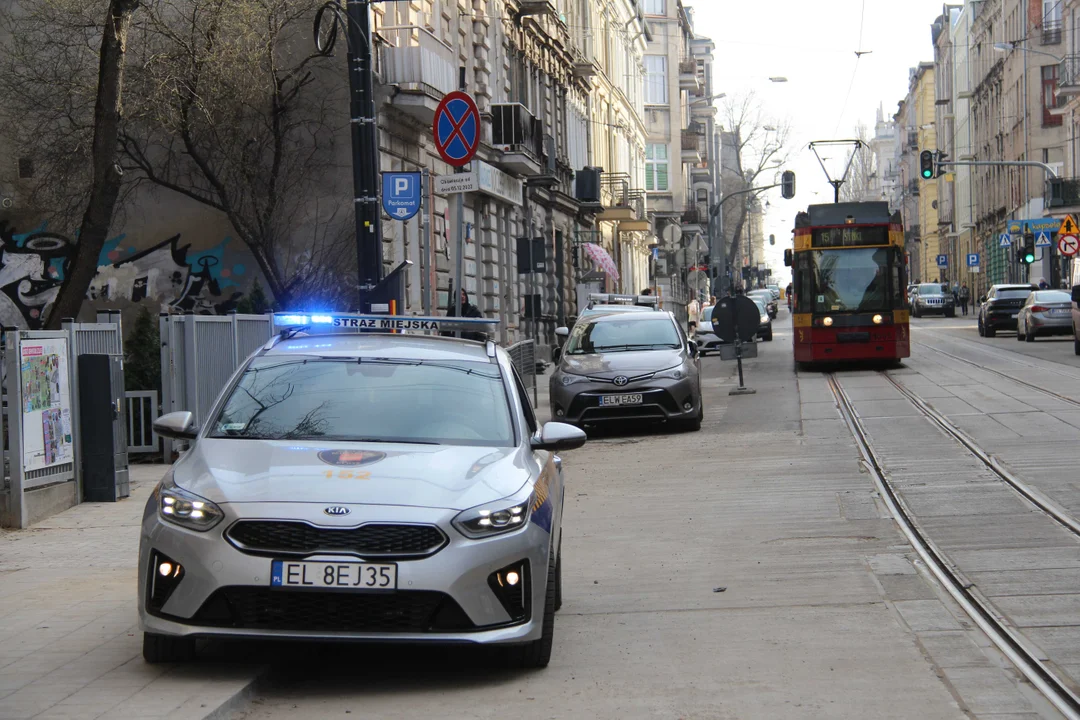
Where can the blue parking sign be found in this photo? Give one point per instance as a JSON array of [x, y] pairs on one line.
[[943, 261], [973, 260], [401, 194]]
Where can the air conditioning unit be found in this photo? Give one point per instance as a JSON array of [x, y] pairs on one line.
[[587, 185]]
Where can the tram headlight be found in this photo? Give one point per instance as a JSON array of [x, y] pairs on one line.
[[827, 322], [878, 319]]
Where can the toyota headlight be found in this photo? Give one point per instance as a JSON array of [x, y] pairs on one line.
[[569, 379], [186, 509], [675, 373], [497, 517]]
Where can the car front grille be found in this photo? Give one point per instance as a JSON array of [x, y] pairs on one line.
[[265, 608], [283, 537]]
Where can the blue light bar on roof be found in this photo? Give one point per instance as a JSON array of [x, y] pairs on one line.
[[405, 323]]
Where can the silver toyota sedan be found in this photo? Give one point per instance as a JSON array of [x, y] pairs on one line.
[[631, 366], [362, 487]]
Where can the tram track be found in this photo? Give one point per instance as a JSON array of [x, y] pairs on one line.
[[1011, 643]]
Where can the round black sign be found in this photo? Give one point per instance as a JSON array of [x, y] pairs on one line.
[[736, 315]]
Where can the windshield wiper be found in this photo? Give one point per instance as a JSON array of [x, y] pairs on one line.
[[636, 346]]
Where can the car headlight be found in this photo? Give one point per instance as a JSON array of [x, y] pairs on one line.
[[186, 509], [569, 379], [675, 373], [764, 318], [497, 517]]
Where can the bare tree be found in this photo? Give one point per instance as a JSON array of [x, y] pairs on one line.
[[755, 149], [228, 104], [859, 186]]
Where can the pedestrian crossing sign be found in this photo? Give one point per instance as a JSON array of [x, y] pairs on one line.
[[1043, 240], [1068, 226], [1005, 241]]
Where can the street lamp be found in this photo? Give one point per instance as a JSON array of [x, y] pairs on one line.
[[1015, 45]]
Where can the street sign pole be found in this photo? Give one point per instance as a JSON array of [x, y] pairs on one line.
[[365, 147], [425, 242], [459, 268]]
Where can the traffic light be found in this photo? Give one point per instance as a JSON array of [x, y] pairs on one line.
[[787, 184], [1027, 253], [939, 169], [926, 164]]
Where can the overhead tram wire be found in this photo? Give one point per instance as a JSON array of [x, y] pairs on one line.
[[854, 71]]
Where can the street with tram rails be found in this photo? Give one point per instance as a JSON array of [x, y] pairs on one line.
[[755, 568]]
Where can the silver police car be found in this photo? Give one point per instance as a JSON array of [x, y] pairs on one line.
[[366, 487], [628, 366]]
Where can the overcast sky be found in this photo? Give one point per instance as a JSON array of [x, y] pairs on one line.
[[812, 43]]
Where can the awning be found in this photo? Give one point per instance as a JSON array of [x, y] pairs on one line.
[[602, 259]]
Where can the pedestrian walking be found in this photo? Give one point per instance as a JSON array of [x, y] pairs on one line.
[[787, 293], [693, 315], [964, 297], [1043, 285], [468, 310]]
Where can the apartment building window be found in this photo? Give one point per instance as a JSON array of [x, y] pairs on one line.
[[656, 91], [656, 168], [655, 7], [1051, 21], [1049, 95]]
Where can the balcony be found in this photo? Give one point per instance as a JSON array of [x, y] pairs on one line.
[[621, 203], [691, 147], [1062, 195], [913, 139], [421, 66], [693, 221], [689, 78], [699, 172], [519, 136], [1051, 32], [1069, 76]]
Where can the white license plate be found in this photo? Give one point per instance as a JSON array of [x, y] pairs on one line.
[[608, 400], [1060, 311], [333, 575]]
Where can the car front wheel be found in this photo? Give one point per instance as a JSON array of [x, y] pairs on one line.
[[167, 648]]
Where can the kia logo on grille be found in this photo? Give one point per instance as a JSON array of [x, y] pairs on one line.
[[621, 380], [337, 510]]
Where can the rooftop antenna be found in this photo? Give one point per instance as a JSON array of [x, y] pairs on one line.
[[851, 158]]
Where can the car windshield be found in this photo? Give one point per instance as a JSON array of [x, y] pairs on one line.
[[607, 335], [1051, 296], [931, 289], [850, 280], [1012, 293], [760, 305], [369, 400]]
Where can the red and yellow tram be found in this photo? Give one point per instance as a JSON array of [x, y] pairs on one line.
[[849, 284]]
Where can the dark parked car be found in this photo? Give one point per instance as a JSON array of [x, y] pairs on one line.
[[771, 306], [933, 298], [999, 307]]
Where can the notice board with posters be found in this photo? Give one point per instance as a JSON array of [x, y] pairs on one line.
[[46, 403]]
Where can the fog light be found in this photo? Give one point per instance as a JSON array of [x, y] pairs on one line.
[[687, 406], [877, 319], [827, 322], [511, 587], [165, 575], [559, 412]]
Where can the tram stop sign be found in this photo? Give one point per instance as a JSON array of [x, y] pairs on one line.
[[736, 316]]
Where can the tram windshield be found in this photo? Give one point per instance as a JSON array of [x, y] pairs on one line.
[[851, 280]]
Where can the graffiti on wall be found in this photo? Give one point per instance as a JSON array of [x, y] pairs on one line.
[[171, 274]]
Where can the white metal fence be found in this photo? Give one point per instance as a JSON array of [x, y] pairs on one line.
[[142, 410]]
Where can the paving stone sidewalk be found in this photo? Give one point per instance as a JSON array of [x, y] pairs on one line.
[[70, 646]]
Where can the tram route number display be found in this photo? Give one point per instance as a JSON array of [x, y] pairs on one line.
[[46, 403]]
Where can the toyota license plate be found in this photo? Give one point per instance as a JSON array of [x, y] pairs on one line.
[[333, 575], [610, 400]]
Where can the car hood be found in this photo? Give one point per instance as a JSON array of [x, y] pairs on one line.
[[621, 362], [231, 470]]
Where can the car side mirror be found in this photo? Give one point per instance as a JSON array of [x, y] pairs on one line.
[[562, 332], [556, 354], [1076, 294], [693, 348], [177, 425], [557, 436], [982, 298]]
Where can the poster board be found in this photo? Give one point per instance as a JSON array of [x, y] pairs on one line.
[[46, 403]]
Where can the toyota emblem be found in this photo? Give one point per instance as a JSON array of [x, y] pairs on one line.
[[621, 380], [337, 510]]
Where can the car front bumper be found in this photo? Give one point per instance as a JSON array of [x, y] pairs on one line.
[[444, 597], [661, 400]]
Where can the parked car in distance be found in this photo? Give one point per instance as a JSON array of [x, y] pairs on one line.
[[704, 336], [771, 306], [1045, 312], [775, 290], [999, 307], [1076, 318], [933, 298], [765, 328]]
